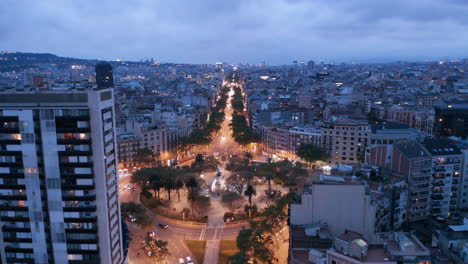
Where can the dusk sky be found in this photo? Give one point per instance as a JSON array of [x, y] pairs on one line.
[[240, 31]]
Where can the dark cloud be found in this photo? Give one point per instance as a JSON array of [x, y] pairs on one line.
[[206, 31]]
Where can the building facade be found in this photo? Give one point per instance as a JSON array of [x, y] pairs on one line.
[[345, 140], [59, 196]]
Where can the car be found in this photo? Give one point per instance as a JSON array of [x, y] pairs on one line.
[[163, 226], [152, 233], [181, 261], [131, 218], [127, 187], [189, 260]]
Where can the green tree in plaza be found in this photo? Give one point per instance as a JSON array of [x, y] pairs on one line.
[[137, 211], [311, 153], [141, 177], [199, 158], [158, 249], [169, 181], [238, 258], [231, 200], [157, 184], [192, 185], [247, 158], [249, 192], [254, 246], [145, 156], [179, 184]]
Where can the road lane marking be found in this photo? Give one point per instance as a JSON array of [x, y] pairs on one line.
[[202, 234]]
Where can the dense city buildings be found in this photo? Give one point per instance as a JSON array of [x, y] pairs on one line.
[[386, 180]]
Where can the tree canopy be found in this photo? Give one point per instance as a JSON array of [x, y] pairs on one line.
[[312, 153]]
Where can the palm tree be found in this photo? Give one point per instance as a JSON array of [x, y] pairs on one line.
[[248, 157], [268, 177], [191, 184], [250, 191], [157, 184], [169, 184], [177, 186]]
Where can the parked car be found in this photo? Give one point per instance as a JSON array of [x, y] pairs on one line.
[[181, 261], [189, 260], [131, 218], [127, 187]]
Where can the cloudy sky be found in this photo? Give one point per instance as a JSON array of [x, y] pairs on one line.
[[206, 31]]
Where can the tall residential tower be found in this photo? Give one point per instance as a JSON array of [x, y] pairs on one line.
[[59, 195]]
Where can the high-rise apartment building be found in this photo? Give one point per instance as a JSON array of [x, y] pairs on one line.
[[59, 195], [433, 169], [104, 75]]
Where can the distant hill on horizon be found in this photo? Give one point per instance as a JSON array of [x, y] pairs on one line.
[[15, 61]]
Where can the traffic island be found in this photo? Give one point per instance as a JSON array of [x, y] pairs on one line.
[[227, 248], [197, 247]]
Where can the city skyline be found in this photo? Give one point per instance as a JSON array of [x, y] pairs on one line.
[[276, 32]]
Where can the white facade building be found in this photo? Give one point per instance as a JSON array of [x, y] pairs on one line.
[[59, 195], [340, 206]]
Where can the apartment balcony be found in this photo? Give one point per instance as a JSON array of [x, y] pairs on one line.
[[87, 219], [439, 169], [73, 129], [17, 240], [437, 197], [14, 186], [12, 130], [76, 176], [10, 141], [438, 183], [18, 250], [81, 230], [13, 196], [73, 141], [19, 208], [14, 218], [90, 197], [83, 241], [77, 187], [15, 229], [66, 164], [83, 251], [72, 152], [12, 175], [84, 261], [84, 208], [20, 260]]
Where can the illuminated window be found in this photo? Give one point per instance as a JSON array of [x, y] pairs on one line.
[[30, 170]]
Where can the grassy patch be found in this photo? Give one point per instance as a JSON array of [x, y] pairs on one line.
[[198, 249], [227, 248]]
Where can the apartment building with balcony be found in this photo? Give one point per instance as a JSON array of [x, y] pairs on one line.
[[413, 161], [59, 195], [345, 140], [447, 164], [433, 169]]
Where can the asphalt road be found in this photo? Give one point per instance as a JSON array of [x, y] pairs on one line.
[[214, 231]]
